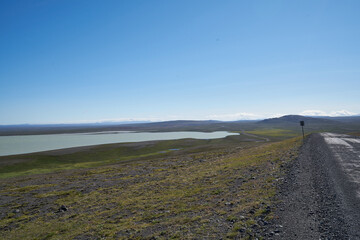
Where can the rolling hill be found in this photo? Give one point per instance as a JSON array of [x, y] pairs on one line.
[[337, 124]]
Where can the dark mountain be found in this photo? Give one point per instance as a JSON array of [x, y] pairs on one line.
[[296, 119], [318, 124], [178, 123]]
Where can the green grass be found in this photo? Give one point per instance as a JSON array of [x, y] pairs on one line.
[[205, 190], [97, 156], [46, 164], [275, 134]]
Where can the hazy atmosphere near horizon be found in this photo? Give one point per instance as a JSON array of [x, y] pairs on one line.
[[88, 61]]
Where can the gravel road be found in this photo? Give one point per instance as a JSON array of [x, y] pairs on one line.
[[320, 195]]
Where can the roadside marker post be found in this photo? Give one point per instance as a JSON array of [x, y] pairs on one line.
[[302, 124]]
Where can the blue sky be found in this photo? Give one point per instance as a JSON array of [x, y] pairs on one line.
[[84, 61]]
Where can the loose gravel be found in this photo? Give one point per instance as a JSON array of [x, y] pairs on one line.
[[316, 199]]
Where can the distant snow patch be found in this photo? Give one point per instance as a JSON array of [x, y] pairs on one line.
[[340, 113]]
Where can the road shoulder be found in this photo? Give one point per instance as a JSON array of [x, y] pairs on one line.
[[310, 201]]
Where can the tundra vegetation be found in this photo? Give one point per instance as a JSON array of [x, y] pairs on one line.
[[178, 189]]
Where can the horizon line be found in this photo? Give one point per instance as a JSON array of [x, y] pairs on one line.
[[154, 120]]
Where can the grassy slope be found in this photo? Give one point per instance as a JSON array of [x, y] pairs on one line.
[[275, 133], [209, 189]]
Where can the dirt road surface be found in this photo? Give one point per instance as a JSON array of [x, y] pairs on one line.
[[320, 196]]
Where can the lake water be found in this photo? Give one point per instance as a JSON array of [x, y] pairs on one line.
[[10, 145]]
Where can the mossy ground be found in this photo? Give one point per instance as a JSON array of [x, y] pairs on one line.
[[275, 133], [208, 189]]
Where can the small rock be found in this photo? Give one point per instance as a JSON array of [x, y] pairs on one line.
[[62, 208], [242, 230], [16, 211]]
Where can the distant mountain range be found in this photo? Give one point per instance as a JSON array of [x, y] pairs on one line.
[[296, 118], [319, 123]]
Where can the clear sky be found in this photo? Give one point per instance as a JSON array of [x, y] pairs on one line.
[[79, 61]]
